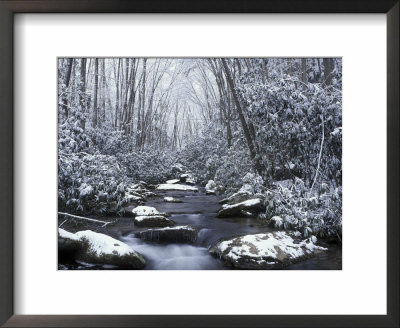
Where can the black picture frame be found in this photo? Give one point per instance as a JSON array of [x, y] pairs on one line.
[[10, 7]]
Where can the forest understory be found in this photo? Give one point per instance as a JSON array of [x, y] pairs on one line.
[[228, 162]]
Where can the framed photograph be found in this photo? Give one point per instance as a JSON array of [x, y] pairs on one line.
[[206, 164]]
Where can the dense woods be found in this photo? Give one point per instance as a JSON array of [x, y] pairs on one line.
[[270, 126]]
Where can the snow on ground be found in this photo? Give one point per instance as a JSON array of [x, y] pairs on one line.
[[144, 211], [269, 245], [67, 235], [103, 244], [178, 228], [246, 203], [150, 217], [179, 187], [173, 181]]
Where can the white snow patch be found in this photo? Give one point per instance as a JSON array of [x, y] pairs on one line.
[[267, 245], [85, 189], [179, 187], [103, 244], [177, 228], [210, 185], [144, 211], [173, 181], [67, 235], [149, 217], [246, 203]]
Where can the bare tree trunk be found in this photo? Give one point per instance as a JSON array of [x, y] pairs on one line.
[[304, 70], [117, 95], [67, 82], [250, 144], [82, 97], [328, 70], [96, 82]]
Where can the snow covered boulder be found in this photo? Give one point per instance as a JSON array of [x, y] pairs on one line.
[[238, 197], [103, 249], [247, 208], [178, 234], [210, 187], [184, 177], [69, 244], [177, 168], [176, 187], [152, 221], [265, 251], [172, 200], [144, 211]]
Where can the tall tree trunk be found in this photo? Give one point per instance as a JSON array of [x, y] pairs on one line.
[[250, 144], [67, 82], [96, 83], [328, 70], [117, 95], [82, 97], [304, 73]]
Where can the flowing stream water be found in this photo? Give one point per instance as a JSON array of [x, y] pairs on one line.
[[199, 210]]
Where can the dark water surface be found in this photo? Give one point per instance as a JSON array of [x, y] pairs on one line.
[[199, 211]]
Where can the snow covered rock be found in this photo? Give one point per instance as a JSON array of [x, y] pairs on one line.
[[265, 251], [190, 181], [103, 249], [172, 200], [144, 211], [247, 208], [152, 221], [183, 177], [211, 185], [177, 168], [178, 234], [173, 181], [176, 187], [239, 197], [69, 244]]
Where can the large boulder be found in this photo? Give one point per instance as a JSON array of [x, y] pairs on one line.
[[103, 249], [152, 221], [239, 197], [144, 211], [176, 187], [266, 250], [247, 208], [178, 234], [69, 244], [211, 187], [184, 177]]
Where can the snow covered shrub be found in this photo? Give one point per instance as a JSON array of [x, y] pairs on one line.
[[72, 138], [295, 122], [209, 158], [298, 208], [91, 184], [252, 183], [153, 166]]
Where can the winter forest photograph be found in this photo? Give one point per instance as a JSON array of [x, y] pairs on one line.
[[199, 163]]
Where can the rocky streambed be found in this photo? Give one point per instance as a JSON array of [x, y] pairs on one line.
[[184, 226]]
